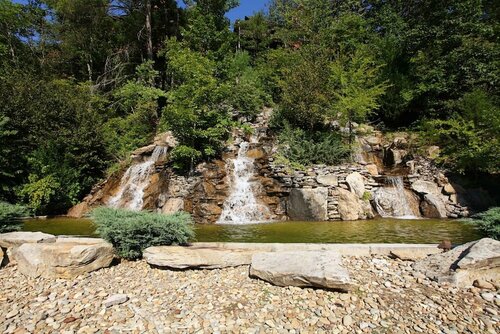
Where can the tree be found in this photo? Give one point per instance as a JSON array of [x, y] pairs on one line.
[[355, 88]]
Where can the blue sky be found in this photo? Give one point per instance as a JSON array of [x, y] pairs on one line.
[[246, 8]]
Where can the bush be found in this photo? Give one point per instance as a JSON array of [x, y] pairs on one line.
[[488, 222], [10, 215], [131, 232], [306, 148]]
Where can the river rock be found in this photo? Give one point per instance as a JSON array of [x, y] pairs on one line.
[[320, 269], [356, 183], [16, 239], [193, 257], [476, 260], [65, 258], [115, 300], [308, 204], [173, 205]]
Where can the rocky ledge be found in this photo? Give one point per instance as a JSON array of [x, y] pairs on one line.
[[134, 298]]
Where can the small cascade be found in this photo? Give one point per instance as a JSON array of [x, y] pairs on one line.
[[135, 181], [242, 207], [393, 201]]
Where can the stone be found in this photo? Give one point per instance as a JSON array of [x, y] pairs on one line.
[[350, 207], [146, 150], [433, 152], [16, 239], [372, 169], [433, 206], [173, 205], [66, 258], [461, 266], [79, 210], [115, 300], [425, 187], [166, 139], [489, 297], [482, 284], [193, 257], [373, 140], [328, 180], [320, 269], [356, 183], [308, 204], [448, 189], [409, 254], [1, 257], [347, 320]]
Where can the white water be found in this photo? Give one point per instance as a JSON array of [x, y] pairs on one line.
[[241, 207], [135, 181], [392, 201]]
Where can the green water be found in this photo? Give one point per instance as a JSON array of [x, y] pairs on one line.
[[381, 230]]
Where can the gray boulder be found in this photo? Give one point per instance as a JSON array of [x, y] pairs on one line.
[[308, 204], [320, 269], [328, 180], [433, 206], [351, 207], [193, 257], [15, 239], [65, 258], [461, 266], [356, 183]]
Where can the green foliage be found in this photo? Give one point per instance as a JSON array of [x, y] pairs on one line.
[[306, 148], [40, 192], [195, 111], [488, 222], [9, 216], [131, 232]]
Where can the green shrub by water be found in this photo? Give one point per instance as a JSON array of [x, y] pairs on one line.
[[488, 222], [131, 232], [10, 215]]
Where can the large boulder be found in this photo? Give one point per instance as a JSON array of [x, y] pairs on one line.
[[461, 266], [319, 269], [193, 257], [308, 204], [433, 206], [351, 207], [356, 183], [65, 258], [16, 239], [425, 187]]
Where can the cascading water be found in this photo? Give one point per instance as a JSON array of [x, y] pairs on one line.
[[392, 200], [135, 180], [241, 207]]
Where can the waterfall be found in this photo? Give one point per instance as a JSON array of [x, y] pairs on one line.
[[135, 181], [241, 207], [392, 200]]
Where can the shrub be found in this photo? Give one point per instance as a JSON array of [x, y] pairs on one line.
[[131, 232], [488, 222], [10, 215], [306, 148]]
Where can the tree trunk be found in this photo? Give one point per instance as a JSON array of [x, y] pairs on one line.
[[149, 44]]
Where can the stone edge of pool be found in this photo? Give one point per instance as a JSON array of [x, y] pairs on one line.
[[342, 249]]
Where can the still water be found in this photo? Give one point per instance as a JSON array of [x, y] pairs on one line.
[[382, 230]]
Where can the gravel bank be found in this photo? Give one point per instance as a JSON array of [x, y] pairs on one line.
[[389, 299]]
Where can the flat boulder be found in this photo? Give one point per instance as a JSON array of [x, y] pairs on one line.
[[193, 257], [65, 258], [318, 269], [461, 266], [16, 239], [308, 204]]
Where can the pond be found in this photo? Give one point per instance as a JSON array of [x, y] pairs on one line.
[[382, 230]]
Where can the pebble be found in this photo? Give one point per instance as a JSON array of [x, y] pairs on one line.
[[488, 296], [227, 300]]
